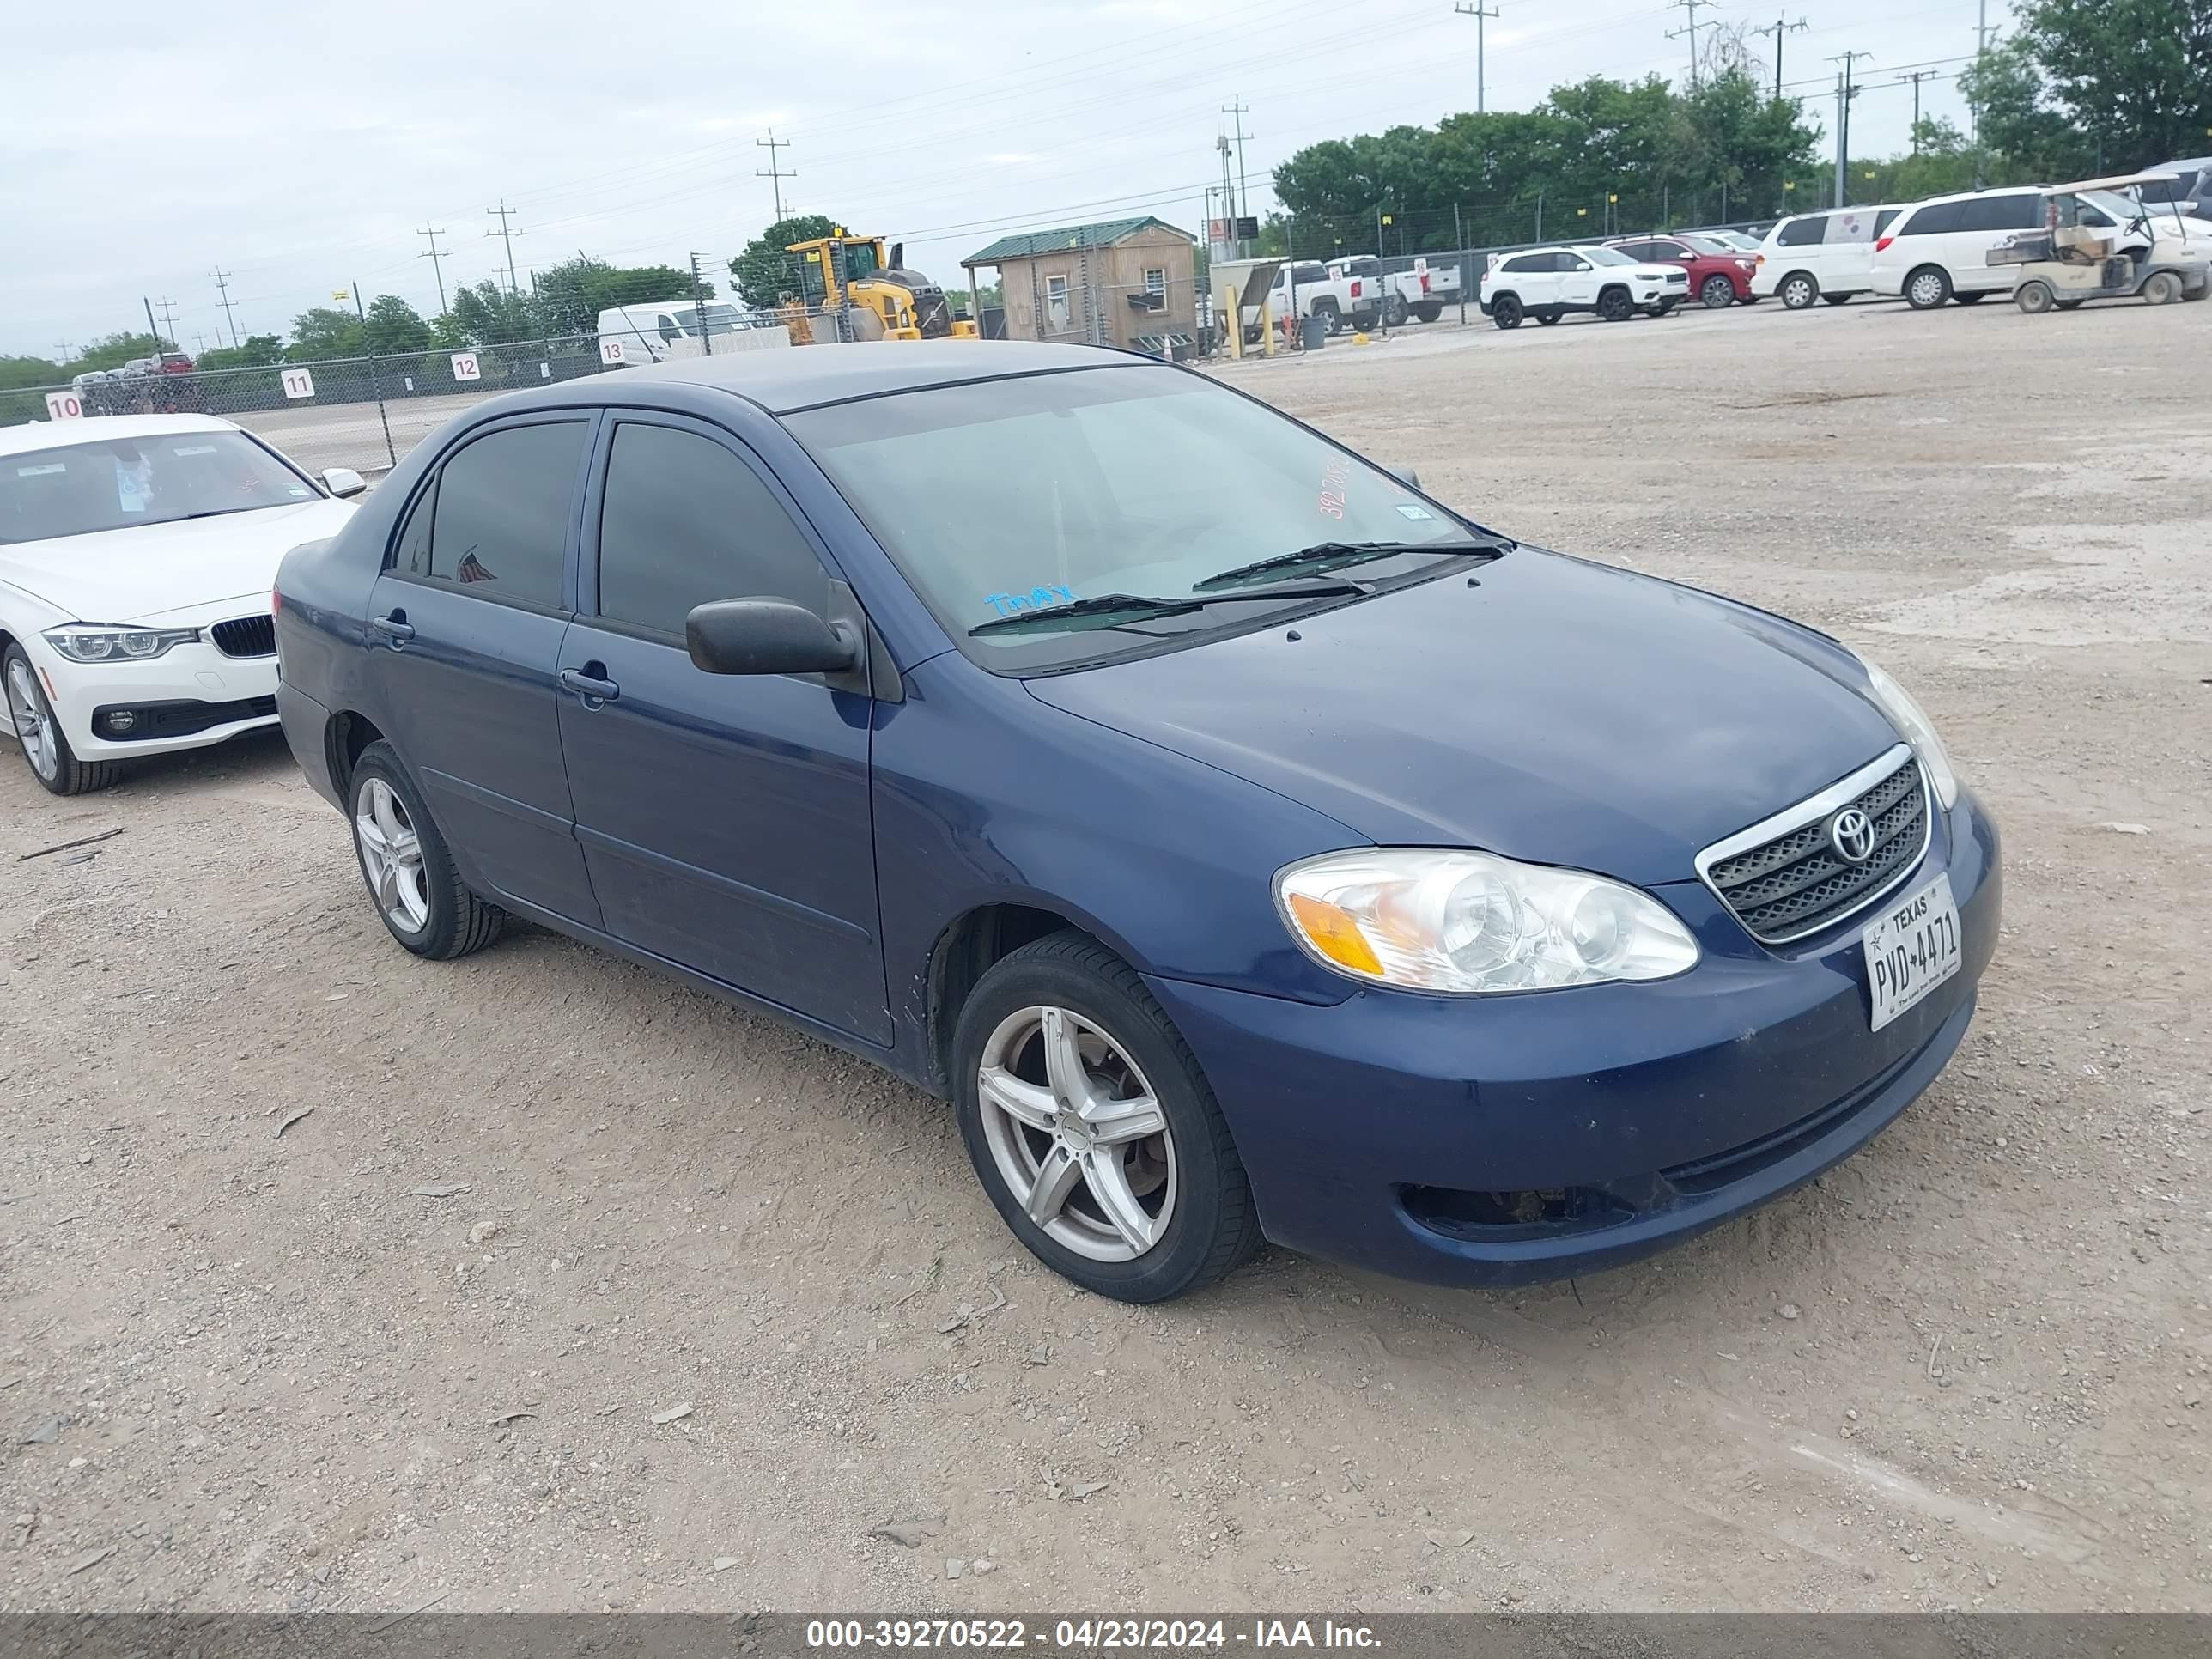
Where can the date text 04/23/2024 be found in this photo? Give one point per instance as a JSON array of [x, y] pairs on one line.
[[1090, 1635]]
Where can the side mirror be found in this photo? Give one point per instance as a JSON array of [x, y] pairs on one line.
[[767, 636], [343, 481], [1404, 475]]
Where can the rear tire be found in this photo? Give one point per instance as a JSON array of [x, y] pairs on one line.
[[1332, 319], [1505, 311], [1798, 290], [1547, 318], [1715, 291], [2035, 297], [1184, 1180], [38, 733], [418, 892], [1394, 311], [1928, 288]]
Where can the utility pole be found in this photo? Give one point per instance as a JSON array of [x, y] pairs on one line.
[[1916, 76], [169, 321], [222, 287], [1778, 28], [1477, 12], [1228, 194], [1692, 7], [1239, 109], [775, 171], [1974, 109], [67, 349], [1846, 89], [699, 309], [506, 235], [436, 256]]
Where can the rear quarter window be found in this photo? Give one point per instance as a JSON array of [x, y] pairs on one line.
[[1526, 262], [1802, 232]]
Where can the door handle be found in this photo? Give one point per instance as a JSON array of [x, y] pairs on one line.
[[592, 690], [395, 628]]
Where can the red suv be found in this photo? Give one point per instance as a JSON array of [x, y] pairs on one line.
[[1719, 274]]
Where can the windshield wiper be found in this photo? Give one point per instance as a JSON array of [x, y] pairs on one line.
[[1336, 555], [1112, 609]]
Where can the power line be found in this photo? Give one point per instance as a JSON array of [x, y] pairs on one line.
[[1479, 13], [436, 256], [1690, 29], [508, 236], [776, 173], [222, 288], [1778, 29]]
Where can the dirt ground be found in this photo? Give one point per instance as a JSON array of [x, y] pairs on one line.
[[1966, 1369]]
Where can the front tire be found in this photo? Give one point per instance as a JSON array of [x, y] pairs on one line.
[[1798, 291], [2162, 287], [1837, 299], [1093, 1128], [1429, 311], [1614, 305], [1548, 318], [1928, 288], [409, 872], [37, 730], [1715, 291], [1974, 298], [2035, 297]]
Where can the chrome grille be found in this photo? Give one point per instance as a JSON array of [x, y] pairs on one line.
[[1784, 878], [245, 636]]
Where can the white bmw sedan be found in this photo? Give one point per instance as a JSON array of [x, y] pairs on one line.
[[136, 556]]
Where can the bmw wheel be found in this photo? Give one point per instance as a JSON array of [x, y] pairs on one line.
[[1093, 1128], [46, 746]]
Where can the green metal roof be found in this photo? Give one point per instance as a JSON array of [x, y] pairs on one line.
[[1029, 243]]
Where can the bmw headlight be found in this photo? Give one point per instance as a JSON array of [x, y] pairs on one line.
[[1467, 923], [1913, 725], [88, 642]]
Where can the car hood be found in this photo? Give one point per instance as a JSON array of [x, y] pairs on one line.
[[1559, 712], [147, 572]]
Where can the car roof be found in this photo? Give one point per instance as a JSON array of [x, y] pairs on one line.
[[784, 381], [46, 435]]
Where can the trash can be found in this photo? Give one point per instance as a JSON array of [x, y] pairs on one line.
[[1313, 333]]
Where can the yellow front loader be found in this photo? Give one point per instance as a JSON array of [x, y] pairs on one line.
[[880, 300]]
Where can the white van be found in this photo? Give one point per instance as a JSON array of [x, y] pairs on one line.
[[1939, 250], [662, 330], [1820, 256]]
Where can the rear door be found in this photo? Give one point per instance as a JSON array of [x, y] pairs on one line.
[[465, 624], [1985, 222], [726, 819]]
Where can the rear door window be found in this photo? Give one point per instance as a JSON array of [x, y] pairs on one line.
[[1937, 219], [500, 517]]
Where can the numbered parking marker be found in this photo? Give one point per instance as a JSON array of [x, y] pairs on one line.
[[611, 351], [298, 383], [64, 406], [465, 367]]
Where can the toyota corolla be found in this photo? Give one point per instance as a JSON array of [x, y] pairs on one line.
[[1247, 844]]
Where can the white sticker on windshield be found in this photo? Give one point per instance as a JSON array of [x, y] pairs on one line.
[[1408, 510], [41, 472], [296, 489], [195, 449]]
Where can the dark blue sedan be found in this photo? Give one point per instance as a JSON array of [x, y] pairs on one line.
[[1247, 844]]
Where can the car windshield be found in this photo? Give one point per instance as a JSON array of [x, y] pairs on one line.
[[113, 483], [1607, 256], [999, 497], [720, 318], [1708, 244]]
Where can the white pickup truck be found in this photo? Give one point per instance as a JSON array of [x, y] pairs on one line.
[[1422, 292], [1317, 291]]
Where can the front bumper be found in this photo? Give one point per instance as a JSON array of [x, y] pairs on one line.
[[189, 698], [1507, 1141]]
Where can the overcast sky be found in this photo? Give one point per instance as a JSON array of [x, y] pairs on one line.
[[300, 146]]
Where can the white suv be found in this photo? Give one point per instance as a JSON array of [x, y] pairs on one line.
[[1547, 283], [1820, 256]]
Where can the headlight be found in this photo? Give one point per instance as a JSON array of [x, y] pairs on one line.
[[86, 642], [1917, 729], [1463, 922]]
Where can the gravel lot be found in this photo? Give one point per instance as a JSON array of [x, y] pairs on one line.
[[1967, 1369]]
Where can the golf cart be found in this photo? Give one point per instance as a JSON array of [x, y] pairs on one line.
[[2080, 255]]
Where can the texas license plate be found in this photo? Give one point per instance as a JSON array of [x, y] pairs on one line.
[[1911, 948]]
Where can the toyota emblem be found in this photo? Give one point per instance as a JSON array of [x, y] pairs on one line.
[[1850, 832]]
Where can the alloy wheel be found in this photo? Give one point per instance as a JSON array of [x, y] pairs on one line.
[[392, 854], [35, 725], [1077, 1133]]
